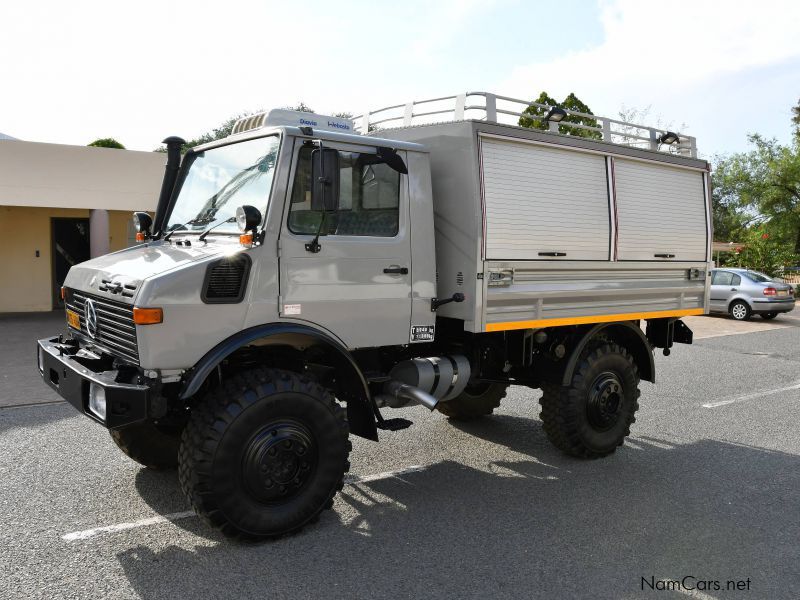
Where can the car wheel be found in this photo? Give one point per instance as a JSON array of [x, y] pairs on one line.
[[473, 402], [740, 310], [264, 454], [592, 415], [769, 315]]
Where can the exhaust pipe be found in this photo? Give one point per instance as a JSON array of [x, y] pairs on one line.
[[397, 394], [425, 381]]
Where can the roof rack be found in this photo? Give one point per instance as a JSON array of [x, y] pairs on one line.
[[493, 108]]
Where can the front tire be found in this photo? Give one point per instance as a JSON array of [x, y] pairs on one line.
[[473, 402], [264, 454], [152, 446], [592, 416], [740, 310]]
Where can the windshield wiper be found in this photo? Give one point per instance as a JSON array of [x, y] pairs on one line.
[[208, 230], [173, 230]]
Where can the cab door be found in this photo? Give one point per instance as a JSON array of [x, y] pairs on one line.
[[358, 284]]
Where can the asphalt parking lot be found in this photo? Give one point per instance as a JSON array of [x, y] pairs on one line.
[[707, 487]]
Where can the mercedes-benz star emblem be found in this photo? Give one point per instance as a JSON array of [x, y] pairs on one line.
[[91, 318]]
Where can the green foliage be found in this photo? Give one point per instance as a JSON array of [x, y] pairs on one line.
[[536, 121], [761, 186], [761, 251], [107, 143], [571, 102]]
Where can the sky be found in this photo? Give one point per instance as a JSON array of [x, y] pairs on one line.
[[72, 72]]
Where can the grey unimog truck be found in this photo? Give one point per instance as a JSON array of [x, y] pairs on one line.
[[300, 278]]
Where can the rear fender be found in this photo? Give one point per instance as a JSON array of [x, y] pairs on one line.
[[628, 335]]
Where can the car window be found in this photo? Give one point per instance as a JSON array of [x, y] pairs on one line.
[[369, 198], [758, 277], [722, 278], [736, 280]]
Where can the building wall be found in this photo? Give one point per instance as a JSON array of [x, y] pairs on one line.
[[25, 279], [36, 174]]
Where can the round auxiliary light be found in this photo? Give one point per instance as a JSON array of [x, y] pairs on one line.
[[668, 137], [248, 217]]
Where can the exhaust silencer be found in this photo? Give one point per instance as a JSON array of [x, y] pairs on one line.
[[426, 381]]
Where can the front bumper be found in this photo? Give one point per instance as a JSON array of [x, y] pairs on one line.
[[70, 373]]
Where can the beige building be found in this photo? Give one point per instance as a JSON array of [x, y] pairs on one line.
[[60, 205]]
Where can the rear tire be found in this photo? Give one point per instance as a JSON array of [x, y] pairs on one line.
[[149, 445], [474, 401], [769, 315], [264, 454], [592, 416], [740, 310]]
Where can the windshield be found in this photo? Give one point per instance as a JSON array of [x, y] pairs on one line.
[[220, 180], [758, 277]]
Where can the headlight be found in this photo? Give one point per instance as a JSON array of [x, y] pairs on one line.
[[97, 400], [40, 358]]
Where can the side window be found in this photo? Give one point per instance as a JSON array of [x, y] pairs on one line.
[[722, 278], [369, 198], [736, 280]]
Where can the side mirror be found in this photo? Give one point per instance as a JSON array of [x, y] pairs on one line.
[[248, 218], [142, 222], [324, 179], [392, 159]]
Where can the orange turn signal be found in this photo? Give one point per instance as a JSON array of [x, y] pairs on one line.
[[140, 237], [63, 293], [246, 239], [147, 316]]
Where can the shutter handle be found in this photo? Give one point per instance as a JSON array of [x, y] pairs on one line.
[[552, 253], [664, 255]]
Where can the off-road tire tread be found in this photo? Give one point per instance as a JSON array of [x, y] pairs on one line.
[[466, 408], [207, 425], [560, 404]]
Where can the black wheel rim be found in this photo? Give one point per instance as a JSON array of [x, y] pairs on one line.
[[279, 461], [605, 401]]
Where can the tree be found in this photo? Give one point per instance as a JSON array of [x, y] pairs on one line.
[[571, 102], [761, 252], [762, 186], [107, 143]]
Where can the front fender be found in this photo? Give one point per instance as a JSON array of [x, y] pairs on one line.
[[355, 388]]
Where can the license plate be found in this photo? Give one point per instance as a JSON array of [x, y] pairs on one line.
[[73, 319], [783, 292]]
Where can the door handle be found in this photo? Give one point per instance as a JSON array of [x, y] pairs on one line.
[[734, 289], [396, 270]]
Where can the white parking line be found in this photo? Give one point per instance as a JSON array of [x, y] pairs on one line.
[[87, 533], [753, 396], [349, 480]]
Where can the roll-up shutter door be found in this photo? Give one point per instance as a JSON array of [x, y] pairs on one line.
[[540, 201], [661, 211]]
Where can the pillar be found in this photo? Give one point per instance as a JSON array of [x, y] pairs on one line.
[[98, 232]]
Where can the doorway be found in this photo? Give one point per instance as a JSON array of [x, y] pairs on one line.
[[70, 246]]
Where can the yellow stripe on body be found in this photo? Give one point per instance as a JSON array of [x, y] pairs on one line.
[[658, 314]]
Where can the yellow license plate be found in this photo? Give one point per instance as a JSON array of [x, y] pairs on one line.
[[783, 293], [73, 319]]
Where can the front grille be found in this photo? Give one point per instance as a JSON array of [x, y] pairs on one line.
[[116, 331]]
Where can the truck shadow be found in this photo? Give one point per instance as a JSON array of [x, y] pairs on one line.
[[548, 527]]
